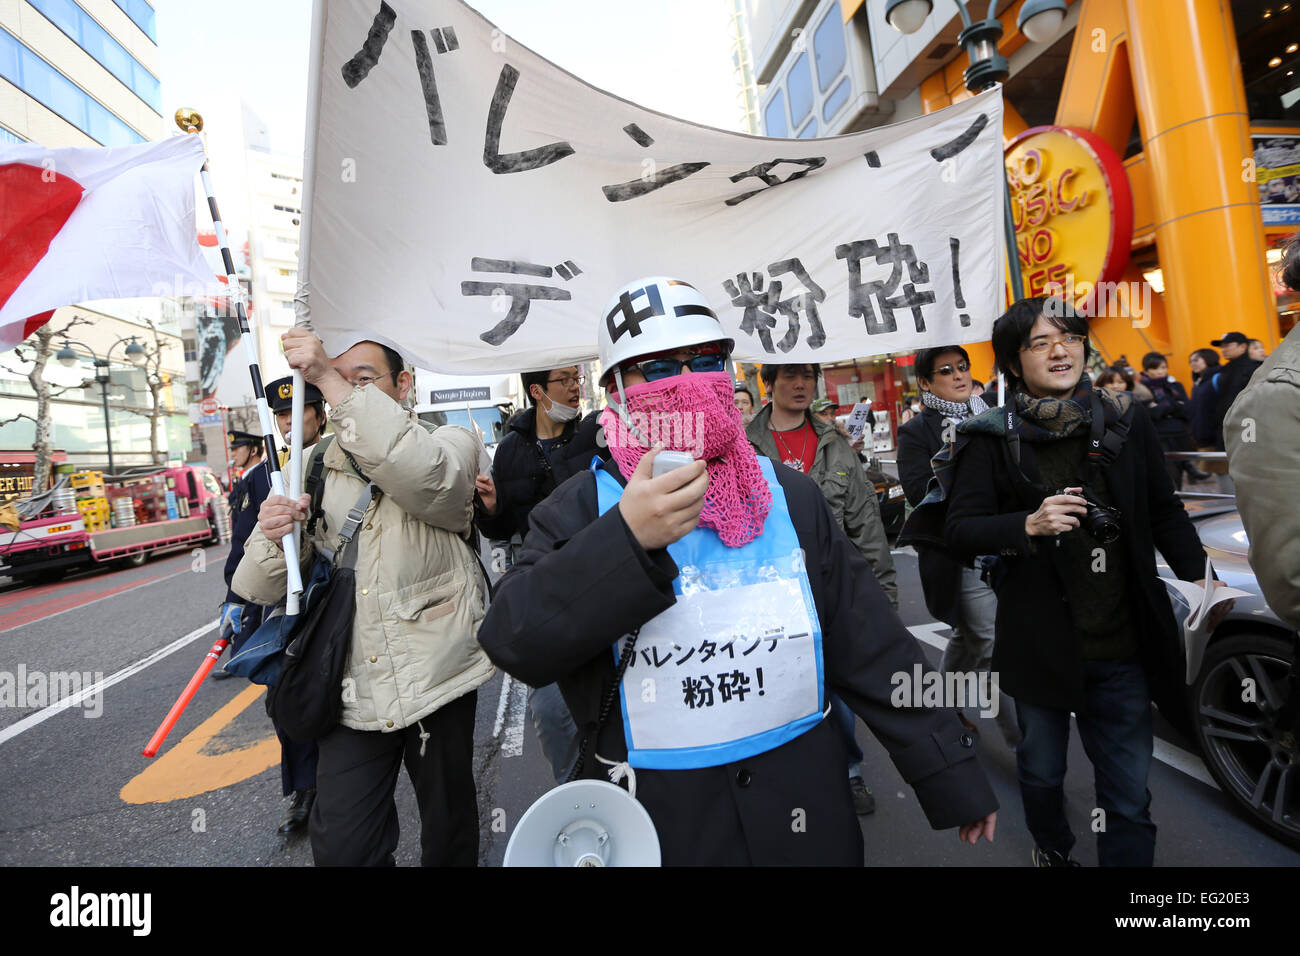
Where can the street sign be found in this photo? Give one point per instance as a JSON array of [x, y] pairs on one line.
[[208, 406]]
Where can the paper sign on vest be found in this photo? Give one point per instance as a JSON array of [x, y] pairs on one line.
[[734, 667]]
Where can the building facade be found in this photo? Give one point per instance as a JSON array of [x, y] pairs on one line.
[[85, 73], [79, 72], [1153, 152]]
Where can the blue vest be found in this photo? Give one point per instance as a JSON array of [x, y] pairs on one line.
[[705, 563]]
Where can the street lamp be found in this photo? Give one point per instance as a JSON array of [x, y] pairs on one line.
[[135, 354], [1039, 21]]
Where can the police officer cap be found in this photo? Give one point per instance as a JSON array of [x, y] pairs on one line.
[[243, 438], [279, 394]]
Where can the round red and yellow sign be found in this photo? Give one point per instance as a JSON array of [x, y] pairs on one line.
[[1072, 208]]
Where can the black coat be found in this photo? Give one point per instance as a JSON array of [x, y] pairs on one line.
[[1169, 409], [583, 581], [940, 570], [245, 500], [1232, 378], [524, 476], [1037, 652], [1200, 410]]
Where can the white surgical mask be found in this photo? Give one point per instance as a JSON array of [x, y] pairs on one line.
[[561, 413]]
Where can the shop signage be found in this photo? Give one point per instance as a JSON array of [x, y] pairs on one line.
[[442, 396], [1277, 173], [1073, 211]]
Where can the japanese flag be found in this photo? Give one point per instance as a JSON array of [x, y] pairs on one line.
[[79, 224]]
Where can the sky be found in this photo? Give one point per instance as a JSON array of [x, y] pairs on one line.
[[669, 55]]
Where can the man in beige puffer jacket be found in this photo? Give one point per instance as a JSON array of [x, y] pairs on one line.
[[415, 663]]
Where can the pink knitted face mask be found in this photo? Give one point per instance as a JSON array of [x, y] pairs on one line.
[[696, 413]]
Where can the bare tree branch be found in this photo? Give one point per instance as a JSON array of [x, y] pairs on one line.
[[8, 421]]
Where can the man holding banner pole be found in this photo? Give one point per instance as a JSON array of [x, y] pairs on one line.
[[413, 664]]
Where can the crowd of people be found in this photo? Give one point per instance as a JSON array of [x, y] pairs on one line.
[[1035, 523]]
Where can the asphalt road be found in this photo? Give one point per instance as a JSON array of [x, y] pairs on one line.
[[74, 789]]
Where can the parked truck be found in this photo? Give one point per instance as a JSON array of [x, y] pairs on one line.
[[481, 403], [84, 520]]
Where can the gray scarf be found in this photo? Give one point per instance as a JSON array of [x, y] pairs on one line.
[[957, 411]]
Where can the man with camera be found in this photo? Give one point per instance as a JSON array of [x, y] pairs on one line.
[[1067, 485]]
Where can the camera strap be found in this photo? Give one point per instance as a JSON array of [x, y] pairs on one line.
[[1104, 444], [1013, 432]]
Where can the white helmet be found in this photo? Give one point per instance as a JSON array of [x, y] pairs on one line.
[[652, 315]]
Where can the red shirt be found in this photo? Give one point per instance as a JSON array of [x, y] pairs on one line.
[[797, 447]]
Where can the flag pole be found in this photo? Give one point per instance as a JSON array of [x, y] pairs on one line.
[[191, 122], [301, 302]]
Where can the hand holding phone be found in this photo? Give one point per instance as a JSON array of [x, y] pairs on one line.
[[667, 461]]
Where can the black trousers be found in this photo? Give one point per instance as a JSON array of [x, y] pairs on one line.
[[354, 818]]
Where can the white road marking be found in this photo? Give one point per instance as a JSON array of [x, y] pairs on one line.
[[44, 714], [512, 742], [926, 634], [1169, 754], [501, 706], [1180, 759]]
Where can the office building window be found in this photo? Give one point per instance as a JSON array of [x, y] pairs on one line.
[[43, 83], [838, 98], [799, 86], [141, 15], [809, 131], [82, 29], [828, 45], [774, 117], [8, 137]]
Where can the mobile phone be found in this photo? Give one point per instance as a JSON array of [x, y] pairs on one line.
[[667, 461]]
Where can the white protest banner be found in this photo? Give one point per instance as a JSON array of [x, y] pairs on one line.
[[476, 206]]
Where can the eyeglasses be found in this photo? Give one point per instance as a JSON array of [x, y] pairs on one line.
[[1069, 341], [949, 369], [361, 381], [568, 381], [704, 359]]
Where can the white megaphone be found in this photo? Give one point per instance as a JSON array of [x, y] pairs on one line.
[[584, 823]]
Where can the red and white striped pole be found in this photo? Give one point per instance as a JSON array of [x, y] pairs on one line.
[[192, 122]]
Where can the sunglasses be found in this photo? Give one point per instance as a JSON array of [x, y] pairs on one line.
[[949, 369], [704, 359]]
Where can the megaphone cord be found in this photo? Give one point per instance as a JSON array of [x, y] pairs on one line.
[[620, 769], [606, 705]]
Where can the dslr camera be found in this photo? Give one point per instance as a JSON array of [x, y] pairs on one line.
[[1101, 521]]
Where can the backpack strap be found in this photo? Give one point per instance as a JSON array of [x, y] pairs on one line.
[[314, 484]]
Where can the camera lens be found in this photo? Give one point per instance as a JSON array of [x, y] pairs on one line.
[[1102, 523]]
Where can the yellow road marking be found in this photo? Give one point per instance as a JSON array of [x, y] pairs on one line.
[[184, 771]]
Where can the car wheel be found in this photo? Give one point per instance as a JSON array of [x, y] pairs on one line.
[[1235, 703], [136, 560]]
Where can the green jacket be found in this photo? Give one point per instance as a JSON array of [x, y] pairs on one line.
[[1262, 434], [837, 471]]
